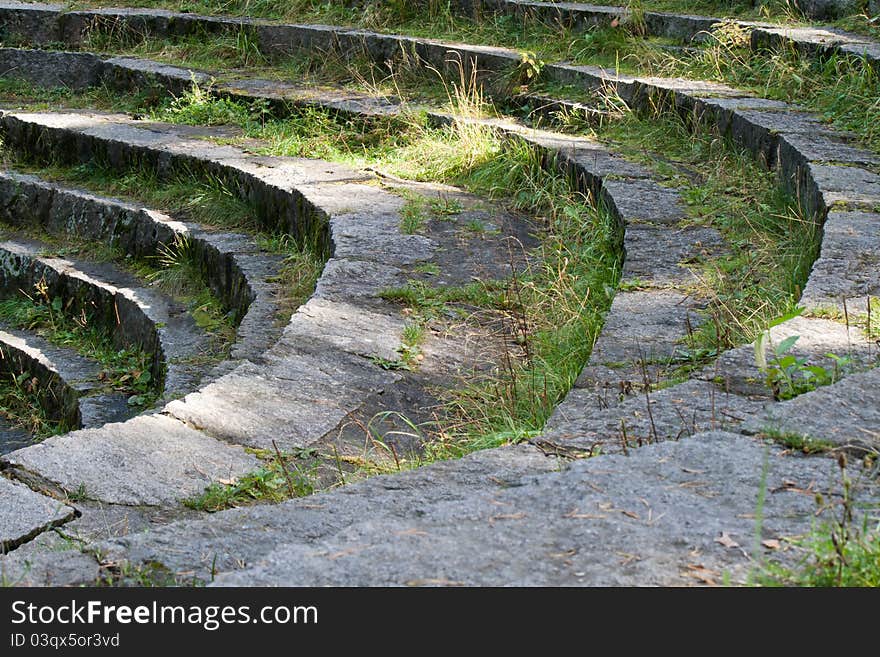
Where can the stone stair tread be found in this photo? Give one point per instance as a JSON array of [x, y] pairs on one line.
[[848, 266], [662, 505], [676, 412], [845, 414], [150, 460], [641, 327], [76, 370], [25, 513], [294, 401]]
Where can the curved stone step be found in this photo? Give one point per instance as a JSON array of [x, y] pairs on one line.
[[236, 269], [25, 514], [150, 460], [652, 518], [44, 24], [135, 316], [70, 390]]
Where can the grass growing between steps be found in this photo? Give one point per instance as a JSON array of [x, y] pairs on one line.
[[770, 244], [843, 551], [123, 370], [208, 203], [20, 406]]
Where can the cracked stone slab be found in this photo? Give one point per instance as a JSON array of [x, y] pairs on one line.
[[846, 413], [24, 514], [652, 518], [671, 413], [848, 267], [240, 537], [151, 460]]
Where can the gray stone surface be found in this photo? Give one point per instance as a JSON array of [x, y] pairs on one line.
[[661, 516], [642, 326], [25, 514], [845, 414], [347, 327], [580, 422], [848, 266], [12, 437], [295, 400], [240, 537], [662, 256], [149, 460], [65, 566]]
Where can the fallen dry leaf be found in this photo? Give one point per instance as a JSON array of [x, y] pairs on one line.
[[726, 541], [771, 544], [631, 514], [703, 574]]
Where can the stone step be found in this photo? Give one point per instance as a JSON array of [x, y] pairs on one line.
[[845, 414], [133, 314], [24, 514], [660, 516], [70, 388], [235, 267], [581, 426], [150, 460]]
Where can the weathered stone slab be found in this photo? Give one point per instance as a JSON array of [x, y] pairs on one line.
[[846, 414], [376, 234], [350, 328], [24, 514], [293, 401], [665, 515], [642, 326], [848, 267], [149, 460], [658, 256], [70, 568], [645, 201], [673, 413]]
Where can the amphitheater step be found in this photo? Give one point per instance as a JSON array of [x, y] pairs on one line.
[[238, 271], [579, 426], [845, 414], [150, 460], [74, 392], [671, 513], [134, 314], [24, 514]]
